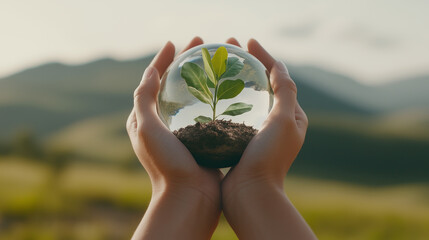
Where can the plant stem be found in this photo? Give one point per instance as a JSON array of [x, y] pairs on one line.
[[214, 113], [215, 99]]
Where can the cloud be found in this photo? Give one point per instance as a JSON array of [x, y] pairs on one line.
[[368, 37], [301, 30]]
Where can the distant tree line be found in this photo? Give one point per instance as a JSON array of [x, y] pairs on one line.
[[25, 144], [348, 156]]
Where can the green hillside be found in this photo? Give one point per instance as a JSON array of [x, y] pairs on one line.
[[358, 153]]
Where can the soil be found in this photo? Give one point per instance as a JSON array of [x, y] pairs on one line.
[[216, 144]]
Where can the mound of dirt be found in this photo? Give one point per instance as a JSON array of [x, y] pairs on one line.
[[216, 144]]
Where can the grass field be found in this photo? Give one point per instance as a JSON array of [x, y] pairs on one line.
[[84, 201]]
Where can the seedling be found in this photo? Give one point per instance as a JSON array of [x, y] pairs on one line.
[[209, 85]]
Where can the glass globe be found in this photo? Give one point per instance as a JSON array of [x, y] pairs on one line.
[[178, 107]]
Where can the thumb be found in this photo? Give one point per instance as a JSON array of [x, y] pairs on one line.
[[284, 89], [145, 96]]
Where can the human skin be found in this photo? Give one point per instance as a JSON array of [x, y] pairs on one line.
[[186, 198], [253, 197], [186, 201]]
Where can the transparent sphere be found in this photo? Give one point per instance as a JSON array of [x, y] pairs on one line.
[[178, 108]]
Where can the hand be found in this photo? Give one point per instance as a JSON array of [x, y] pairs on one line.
[[272, 151], [253, 198], [181, 188]]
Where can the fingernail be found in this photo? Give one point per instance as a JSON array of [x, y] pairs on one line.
[[148, 73]]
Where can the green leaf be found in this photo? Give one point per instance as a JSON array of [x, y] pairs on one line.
[[210, 84], [202, 119], [195, 77], [230, 88], [219, 61], [237, 109], [200, 95], [233, 67], [208, 66]]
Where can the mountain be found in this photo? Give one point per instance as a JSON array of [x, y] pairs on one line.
[[49, 97], [371, 134], [52, 96], [398, 95], [402, 94]]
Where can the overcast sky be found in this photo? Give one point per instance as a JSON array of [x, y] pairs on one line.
[[373, 41]]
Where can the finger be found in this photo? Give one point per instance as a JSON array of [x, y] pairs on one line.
[[233, 41], [164, 58], [145, 96], [260, 53], [284, 88], [153, 131], [194, 42]]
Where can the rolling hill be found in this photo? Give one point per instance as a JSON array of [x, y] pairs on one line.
[[52, 96], [398, 95]]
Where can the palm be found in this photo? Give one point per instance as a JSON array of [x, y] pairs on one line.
[[160, 152], [272, 151]]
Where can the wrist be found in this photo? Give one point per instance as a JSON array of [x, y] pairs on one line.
[[192, 194], [239, 190], [179, 211], [261, 210], [202, 191]]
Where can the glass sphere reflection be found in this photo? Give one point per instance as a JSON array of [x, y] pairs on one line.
[[177, 107]]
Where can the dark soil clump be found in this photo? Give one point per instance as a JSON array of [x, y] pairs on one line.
[[216, 144]]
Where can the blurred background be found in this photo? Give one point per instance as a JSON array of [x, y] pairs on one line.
[[68, 70]]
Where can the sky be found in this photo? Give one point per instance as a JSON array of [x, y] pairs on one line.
[[372, 41]]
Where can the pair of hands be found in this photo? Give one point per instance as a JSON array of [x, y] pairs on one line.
[[175, 174]]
